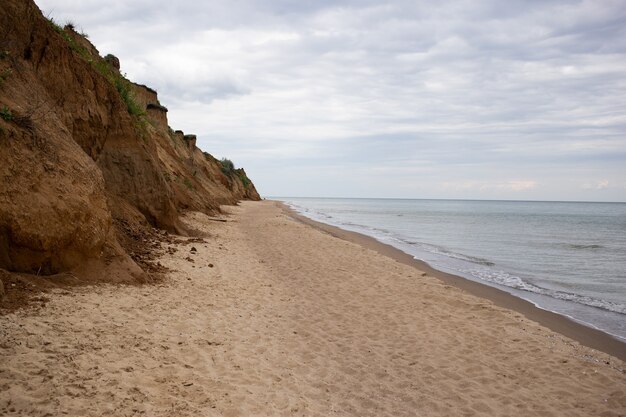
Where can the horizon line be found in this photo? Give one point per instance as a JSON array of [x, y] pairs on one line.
[[451, 199]]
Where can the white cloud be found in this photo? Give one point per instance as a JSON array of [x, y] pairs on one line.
[[512, 87], [596, 185], [516, 185], [602, 184]]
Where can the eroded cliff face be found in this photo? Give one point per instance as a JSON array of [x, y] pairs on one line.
[[86, 156]]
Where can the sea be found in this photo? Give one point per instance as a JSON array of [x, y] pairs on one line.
[[566, 257]]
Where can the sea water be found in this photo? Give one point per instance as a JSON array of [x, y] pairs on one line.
[[566, 257]]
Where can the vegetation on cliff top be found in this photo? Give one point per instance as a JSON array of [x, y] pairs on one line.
[[121, 83], [227, 166]]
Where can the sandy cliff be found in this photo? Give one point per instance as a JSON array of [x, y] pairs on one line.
[[88, 162]]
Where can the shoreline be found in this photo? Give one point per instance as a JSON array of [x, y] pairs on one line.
[[581, 333]]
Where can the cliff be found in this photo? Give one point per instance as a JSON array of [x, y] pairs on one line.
[[88, 163]]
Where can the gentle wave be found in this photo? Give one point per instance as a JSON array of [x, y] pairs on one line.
[[439, 250], [451, 254], [512, 281], [582, 247], [384, 234], [308, 212]]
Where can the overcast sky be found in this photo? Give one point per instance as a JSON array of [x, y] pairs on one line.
[[411, 99]]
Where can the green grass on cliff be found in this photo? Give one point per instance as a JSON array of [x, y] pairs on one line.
[[244, 179], [5, 114], [124, 88], [121, 83]]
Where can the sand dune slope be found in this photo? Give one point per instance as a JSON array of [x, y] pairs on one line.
[[288, 320]]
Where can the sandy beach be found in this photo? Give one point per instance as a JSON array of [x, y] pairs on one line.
[[268, 316]]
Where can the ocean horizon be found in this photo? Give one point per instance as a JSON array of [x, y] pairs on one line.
[[568, 257], [282, 198]]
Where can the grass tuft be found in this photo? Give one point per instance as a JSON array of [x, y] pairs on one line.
[[5, 114], [124, 88]]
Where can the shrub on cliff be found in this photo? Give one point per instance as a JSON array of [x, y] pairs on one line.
[[113, 61], [228, 168]]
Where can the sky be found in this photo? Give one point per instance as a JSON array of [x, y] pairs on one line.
[[515, 100]]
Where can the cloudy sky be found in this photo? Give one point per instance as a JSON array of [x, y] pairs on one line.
[[411, 99]]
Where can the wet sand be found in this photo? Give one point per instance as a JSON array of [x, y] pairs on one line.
[[270, 316]]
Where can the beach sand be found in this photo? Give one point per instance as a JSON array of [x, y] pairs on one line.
[[269, 316]]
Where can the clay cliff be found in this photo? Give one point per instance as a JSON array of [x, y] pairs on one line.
[[88, 163]]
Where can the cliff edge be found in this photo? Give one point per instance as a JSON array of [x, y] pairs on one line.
[[88, 163]]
